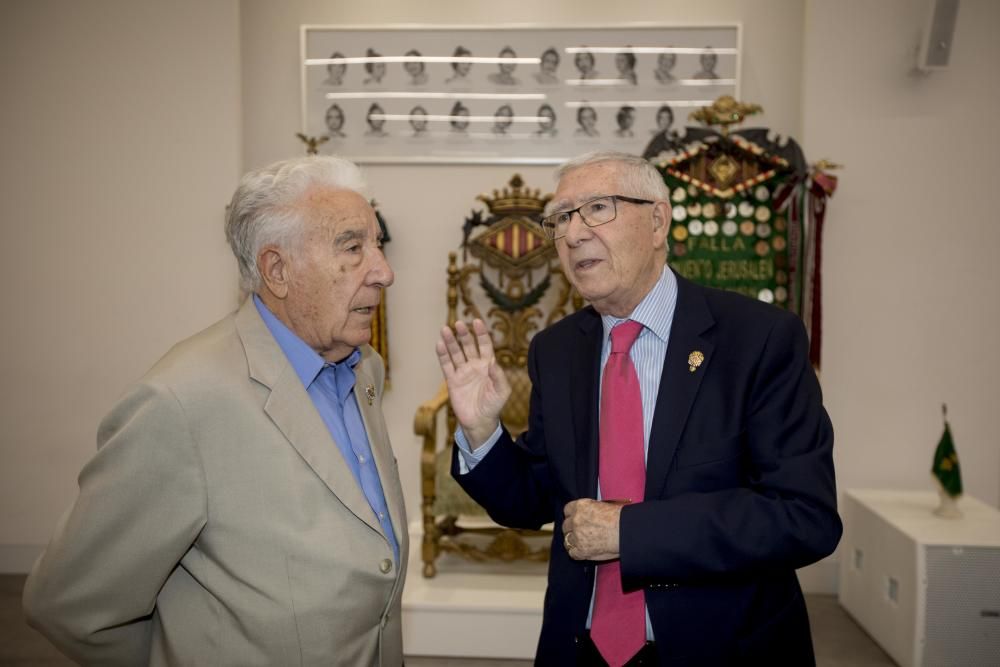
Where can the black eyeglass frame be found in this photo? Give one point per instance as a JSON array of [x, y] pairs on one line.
[[550, 228]]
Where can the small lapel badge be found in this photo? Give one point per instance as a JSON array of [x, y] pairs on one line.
[[370, 393], [694, 360]]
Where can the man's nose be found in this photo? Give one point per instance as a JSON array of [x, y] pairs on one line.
[[381, 273], [576, 229]]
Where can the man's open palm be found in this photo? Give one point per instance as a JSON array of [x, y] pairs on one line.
[[477, 386]]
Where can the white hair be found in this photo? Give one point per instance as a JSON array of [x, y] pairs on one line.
[[639, 178], [264, 207]]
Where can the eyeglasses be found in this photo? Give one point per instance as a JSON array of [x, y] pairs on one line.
[[599, 211]]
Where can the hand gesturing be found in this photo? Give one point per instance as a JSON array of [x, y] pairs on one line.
[[477, 386]]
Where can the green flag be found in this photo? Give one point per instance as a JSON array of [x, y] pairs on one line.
[[946, 464]]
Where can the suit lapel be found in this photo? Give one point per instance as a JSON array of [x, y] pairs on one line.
[[678, 384], [292, 411], [366, 387], [585, 367]]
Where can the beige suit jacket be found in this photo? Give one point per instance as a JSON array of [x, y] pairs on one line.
[[218, 523]]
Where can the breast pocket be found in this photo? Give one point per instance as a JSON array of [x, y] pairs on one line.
[[711, 450]]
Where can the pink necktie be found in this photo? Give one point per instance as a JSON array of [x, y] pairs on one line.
[[618, 626]]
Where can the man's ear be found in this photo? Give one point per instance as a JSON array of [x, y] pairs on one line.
[[661, 222], [272, 263]]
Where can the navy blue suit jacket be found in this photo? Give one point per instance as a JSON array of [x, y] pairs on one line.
[[739, 482]]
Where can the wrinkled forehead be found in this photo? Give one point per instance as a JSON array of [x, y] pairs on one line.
[[585, 183], [329, 211]]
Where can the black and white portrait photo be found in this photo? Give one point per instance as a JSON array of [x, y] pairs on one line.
[[335, 71], [502, 120], [505, 77], [665, 67], [418, 120], [625, 64], [586, 120], [335, 121], [664, 119], [459, 118], [376, 125], [460, 70], [546, 74], [415, 68], [708, 61], [546, 127], [585, 65], [376, 70], [625, 118]]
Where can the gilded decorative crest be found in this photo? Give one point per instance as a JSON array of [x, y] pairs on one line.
[[725, 111], [514, 241], [723, 169], [515, 199]]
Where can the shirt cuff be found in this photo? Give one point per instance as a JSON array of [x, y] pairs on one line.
[[469, 459]]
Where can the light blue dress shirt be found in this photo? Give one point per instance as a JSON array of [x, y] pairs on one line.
[[656, 313], [331, 388]]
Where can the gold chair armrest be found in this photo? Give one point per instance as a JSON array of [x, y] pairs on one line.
[[425, 420], [425, 425]]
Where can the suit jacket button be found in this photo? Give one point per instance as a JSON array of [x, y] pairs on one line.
[[385, 565]]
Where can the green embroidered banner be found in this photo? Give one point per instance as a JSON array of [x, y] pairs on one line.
[[739, 244], [734, 224]]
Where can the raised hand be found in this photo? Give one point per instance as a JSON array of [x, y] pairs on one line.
[[477, 386]]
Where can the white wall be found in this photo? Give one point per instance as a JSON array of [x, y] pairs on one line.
[[119, 136], [112, 209], [912, 308]]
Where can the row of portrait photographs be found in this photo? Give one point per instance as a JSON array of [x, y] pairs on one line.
[[622, 68], [586, 121]]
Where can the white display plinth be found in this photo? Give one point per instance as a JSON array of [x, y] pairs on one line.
[[926, 588], [473, 610]]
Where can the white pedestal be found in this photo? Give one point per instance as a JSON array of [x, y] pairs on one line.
[[473, 610], [926, 588]]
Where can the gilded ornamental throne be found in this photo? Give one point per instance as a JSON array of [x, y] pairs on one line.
[[508, 276]]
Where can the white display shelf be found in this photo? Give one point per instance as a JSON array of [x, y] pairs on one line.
[[926, 588]]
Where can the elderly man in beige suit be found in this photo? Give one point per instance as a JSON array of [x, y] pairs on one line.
[[244, 505]]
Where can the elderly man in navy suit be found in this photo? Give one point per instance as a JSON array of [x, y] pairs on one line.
[[677, 439]]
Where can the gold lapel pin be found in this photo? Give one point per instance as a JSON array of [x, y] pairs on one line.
[[370, 393], [694, 360]]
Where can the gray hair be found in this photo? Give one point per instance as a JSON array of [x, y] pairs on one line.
[[639, 178], [263, 210]]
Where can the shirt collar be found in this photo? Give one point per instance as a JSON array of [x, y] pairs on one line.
[[656, 310], [304, 360]]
